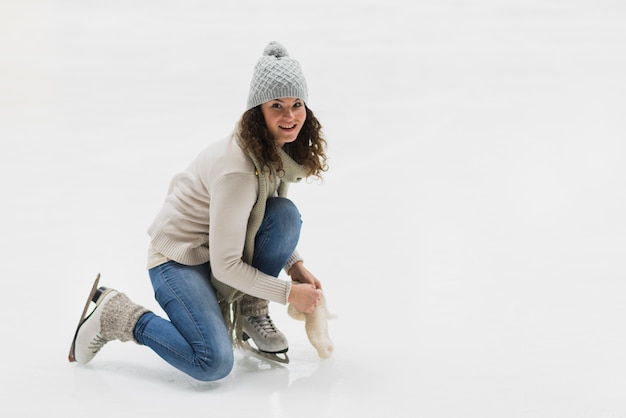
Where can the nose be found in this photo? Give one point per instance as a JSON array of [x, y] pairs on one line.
[[288, 112]]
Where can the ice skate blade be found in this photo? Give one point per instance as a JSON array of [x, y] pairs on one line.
[[92, 294], [282, 358], [246, 338]]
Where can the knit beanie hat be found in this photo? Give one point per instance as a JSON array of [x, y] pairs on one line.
[[276, 75]]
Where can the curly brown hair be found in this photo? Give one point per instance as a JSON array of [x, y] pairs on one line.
[[308, 150]]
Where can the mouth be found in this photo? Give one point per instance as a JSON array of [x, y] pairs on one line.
[[287, 127]]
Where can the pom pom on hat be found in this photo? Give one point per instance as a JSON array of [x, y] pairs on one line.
[[276, 75], [275, 49]]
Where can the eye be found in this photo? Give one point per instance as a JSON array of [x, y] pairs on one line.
[[297, 104], [276, 105]]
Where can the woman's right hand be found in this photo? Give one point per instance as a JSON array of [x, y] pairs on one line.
[[304, 297]]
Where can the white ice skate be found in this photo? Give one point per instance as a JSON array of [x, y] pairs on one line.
[[113, 318], [88, 336], [268, 341]]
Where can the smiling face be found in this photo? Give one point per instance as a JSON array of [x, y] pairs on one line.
[[284, 118]]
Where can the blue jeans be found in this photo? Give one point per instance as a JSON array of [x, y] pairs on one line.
[[195, 339]]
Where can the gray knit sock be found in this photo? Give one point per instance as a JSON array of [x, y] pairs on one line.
[[119, 317], [251, 306]]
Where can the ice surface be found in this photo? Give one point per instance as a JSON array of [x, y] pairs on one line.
[[470, 233]]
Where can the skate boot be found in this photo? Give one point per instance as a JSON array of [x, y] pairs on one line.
[[269, 341], [113, 318]]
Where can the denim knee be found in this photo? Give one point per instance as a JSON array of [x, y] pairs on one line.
[[285, 210], [216, 366]]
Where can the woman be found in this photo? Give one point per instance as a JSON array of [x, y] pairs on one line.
[[223, 235]]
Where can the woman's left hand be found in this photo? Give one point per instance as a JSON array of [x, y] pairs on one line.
[[301, 274]]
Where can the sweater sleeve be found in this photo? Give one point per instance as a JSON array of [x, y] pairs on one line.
[[232, 198]]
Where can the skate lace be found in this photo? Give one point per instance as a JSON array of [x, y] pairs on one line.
[[97, 343], [264, 323]]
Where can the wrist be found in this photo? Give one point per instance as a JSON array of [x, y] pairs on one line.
[[292, 293], [294, 267]]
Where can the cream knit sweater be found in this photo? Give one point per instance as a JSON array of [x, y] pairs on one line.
[[212, 212]]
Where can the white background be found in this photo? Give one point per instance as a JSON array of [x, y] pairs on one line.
[[470, 234]]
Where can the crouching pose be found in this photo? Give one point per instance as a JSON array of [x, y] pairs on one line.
[[222, 237]]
